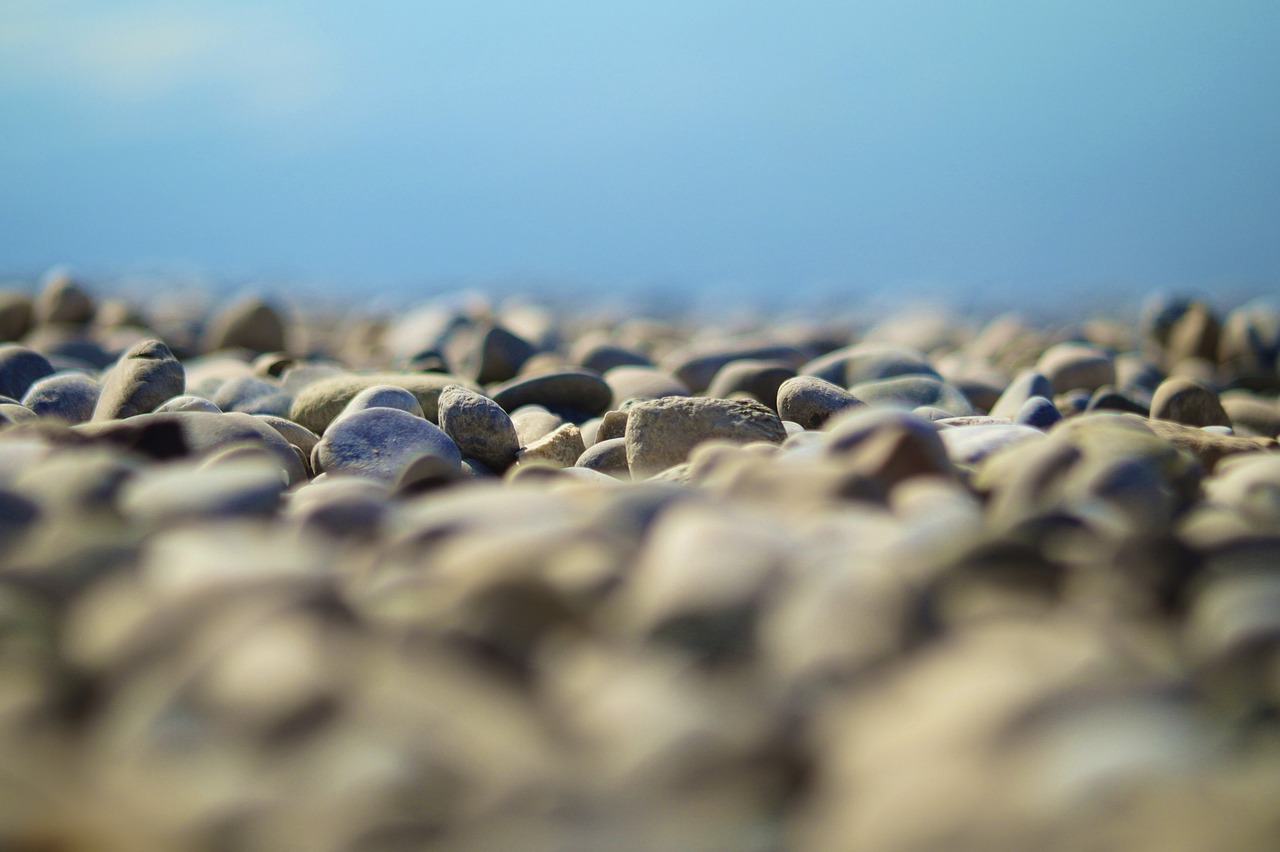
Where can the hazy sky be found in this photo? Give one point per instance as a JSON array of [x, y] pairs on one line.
[[772, 146]]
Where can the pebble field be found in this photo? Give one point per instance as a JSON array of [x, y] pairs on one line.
[[482, 575]]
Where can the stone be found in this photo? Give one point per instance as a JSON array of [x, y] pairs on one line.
[[1137, 376], [1193, 335], [1188, 402], [146, 375], [497, 355], [888, 445], [1252, 414], [866, 362], [383, 396], [1076, 366], [15, 412], [1038, 412], [380, 443], [1206, 446], [172, 494], [252, 395], [661, 433], [640, 382], [318, 403], [70, 397], [570, 390], [342, 508], [1249, 346], [609, 457], [15, 315], [612, 425], [248, 323], [695, 365], [561, 448], [20, 368], [603, 357], [479, 426], [758, 379], [186, 402], [969, 445], [1108, 398], [913, 392], [300, 436], [811, 401], [532, 422], [62, 300], [1027, 384]]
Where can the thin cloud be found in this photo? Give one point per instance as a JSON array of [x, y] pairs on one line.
[[141, 55]]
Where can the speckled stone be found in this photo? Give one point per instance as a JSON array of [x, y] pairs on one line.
[[146, 375], [811, 401], [661, 433], [479, 426], [380, 443], [69, 397]]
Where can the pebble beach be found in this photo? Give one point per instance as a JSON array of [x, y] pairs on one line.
[[483, 574]]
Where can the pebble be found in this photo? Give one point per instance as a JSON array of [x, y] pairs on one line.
[[533, 422], [640, 382], [888, 445], [70, 397], [913, 392], [383, 396], [186, 402], [969, 445], [1108, 398], [1076, 366], [1038, 412], [1259, 416], [1188, 402], [380, 443], [866, 362], [1026, 385], [20, 368], [319, 402], [15, 315], [249, 323], [560, 448], [581, 392], [608, 456], [612, 425], [62, 300], [603, 357], [146, 376], [811, 401], [497, 356], [253, 395], [479, 426], [757, 379], [697, 364], [182, 493], [661, 433]]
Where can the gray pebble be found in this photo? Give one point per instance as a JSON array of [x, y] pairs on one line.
[[187, 402], [146, 375], [319, 402], [608, 456], [20, 368], [561, 448], [380, 443], [912, 392], [253, 395], [572, 390], [636, 382], [70, 397], [1038, 412], [479, 426], [696, 365], [249, 323], [758, 379], [866, 362], [1027, 384], [810, 401], [1188, 402], [383, 396]]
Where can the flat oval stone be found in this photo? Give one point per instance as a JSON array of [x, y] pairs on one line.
[[971, 444], [637, 382], [811, 401], [869, 361], [887, 444], [380, 443], [576, 390], [697, 364], [1076, 366], [1038, 412], [146, 375], [20, 368], [479, 426], [167, 495], [70, 397], [1189, 402], [913, 392], [1255, 414], [662, 432], [602, 357], [253, 395], [318, 403], [1107, 398]]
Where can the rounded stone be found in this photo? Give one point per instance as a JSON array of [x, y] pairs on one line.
[[1027, 384], [868, 361], [561, 448], [497, 355], [316, 404], [888, 445], [643, 382], [62, 300], [662, 432], [146, 375], [971, 444], [1076, 366], [186, 402], [70, 397], [1108, 398], [15, 315], [913, 392], [697, 364], [170, 494], [608, 456], [758, 379], [382, 396], [1189, 402], [572, 390], [811, 401], [252, 395], [20, 368], [1255, 414], [602, 357], [249, 323], [380, 443], [479, 426], [1038, 412]]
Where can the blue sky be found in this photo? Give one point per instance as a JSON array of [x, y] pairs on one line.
[[764, 148]]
